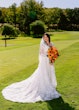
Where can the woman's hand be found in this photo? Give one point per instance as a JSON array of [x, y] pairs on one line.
[[48, 43]]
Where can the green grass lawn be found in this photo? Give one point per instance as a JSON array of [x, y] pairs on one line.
[[20, 58]]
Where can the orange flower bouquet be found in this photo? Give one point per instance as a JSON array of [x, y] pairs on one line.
[[52, 54]]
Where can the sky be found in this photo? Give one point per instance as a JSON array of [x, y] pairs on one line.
[[47, 3]]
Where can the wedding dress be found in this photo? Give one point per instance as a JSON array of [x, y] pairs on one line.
[[40, 86]]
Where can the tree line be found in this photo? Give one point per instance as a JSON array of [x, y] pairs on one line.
[[29, 11]]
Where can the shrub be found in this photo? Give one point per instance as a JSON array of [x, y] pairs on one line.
[[37, 28], [10, 31]]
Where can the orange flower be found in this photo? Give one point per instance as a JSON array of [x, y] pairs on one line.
[[52, 54]]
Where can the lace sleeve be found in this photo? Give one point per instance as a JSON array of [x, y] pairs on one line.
[[42, 50]]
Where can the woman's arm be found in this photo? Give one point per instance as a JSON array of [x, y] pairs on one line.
[[42, 51]]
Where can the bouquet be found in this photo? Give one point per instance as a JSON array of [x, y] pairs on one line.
[[52, 54]]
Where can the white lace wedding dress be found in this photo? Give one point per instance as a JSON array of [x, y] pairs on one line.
[[40, 86]]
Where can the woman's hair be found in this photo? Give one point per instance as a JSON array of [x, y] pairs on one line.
[[47, 36]]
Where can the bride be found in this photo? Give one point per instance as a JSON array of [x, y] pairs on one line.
[[41, 85]]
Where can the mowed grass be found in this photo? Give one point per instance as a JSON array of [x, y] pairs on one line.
[[20, 59]]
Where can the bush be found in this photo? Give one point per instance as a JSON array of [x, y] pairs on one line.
[[10, 31], [37, 28]]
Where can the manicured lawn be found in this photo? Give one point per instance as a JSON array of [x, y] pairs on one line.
[[19, 60]]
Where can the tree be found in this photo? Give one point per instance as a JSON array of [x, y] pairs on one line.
[[1, 16], [37, 28], [73, 16], [47, 16], [10, 31], [28, 14], [13, 10], [63, 22], [51, 17]]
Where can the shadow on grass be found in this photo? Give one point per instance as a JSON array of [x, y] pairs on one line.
[[58, 104]]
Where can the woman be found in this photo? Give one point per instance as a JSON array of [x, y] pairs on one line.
[[41, 85]]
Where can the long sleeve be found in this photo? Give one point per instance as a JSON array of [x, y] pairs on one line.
[[43, 50]]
